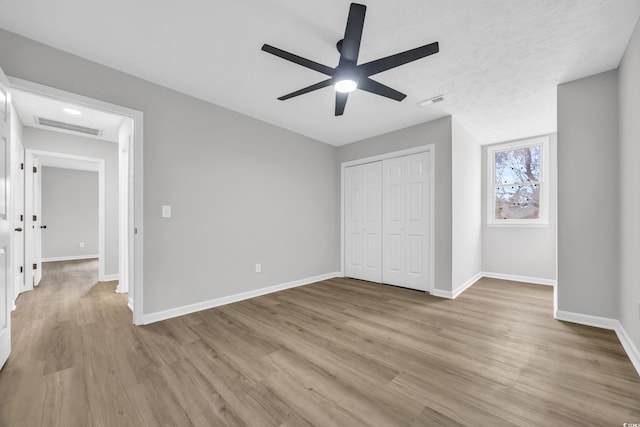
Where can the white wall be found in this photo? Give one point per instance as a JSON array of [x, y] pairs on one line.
[[525, 252], [629, 213], [588, 196], [242, 191], [125, 193], [437, 132], [70, 211], [56, 142], [466, 186]]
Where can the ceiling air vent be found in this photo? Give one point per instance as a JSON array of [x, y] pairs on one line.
[[68, 126], [430, 101]]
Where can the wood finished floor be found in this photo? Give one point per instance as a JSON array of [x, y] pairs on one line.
[[337, 353]]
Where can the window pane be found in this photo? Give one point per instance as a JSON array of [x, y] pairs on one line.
[[518, 202], [519, 165]]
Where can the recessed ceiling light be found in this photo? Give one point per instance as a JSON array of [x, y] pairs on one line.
[[430, 101], [72, 111]]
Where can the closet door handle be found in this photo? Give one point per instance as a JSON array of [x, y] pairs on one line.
[[19, 229]]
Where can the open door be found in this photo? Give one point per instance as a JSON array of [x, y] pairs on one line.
[[6, 285], [37, 222], [33, 232], [17, 164]]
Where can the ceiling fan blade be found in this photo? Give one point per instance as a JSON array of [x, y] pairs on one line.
[[383, 64], [353, 34], [307, 89], [341, 102], [297, 59], [379, 89]]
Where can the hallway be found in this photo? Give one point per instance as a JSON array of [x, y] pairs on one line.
[[65, 336]]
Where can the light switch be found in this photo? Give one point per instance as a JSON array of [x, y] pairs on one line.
[[166, 211]]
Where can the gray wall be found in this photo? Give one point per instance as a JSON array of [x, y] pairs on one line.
[[38, 139], [70, 212], [437, 132], [243, 191], [629, 109], [521, 251], [588, 196], [466, 192]]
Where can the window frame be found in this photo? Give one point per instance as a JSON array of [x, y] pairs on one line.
[[543, 220]]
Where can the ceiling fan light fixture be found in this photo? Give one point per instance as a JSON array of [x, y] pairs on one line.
[[345, 85], [348, 75]]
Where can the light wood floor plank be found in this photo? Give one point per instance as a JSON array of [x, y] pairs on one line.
[[340, 352]]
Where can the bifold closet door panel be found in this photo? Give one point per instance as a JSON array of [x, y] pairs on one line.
[[363, 222], [405, 221]]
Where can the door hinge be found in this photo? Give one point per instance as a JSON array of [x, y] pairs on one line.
[[35, 266], [34, 217], [35, 169], [21, 217], [21, 166], [21, 269]]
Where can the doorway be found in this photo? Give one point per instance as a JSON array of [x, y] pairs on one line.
[[130, 214], [36, 161]]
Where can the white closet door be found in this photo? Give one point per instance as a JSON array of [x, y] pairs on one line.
[[363, 222], [405, 221]]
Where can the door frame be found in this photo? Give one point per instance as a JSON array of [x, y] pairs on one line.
[[135, 209], [69, 161], [15, 257], [430, 188]]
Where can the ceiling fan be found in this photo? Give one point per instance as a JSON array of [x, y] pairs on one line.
[[348, 75]]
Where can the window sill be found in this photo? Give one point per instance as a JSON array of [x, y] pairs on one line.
[[518, 224]]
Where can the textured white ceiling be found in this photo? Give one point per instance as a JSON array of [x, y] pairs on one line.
[[498, 66]]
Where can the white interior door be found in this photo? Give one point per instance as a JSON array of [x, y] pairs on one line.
[[363, 225], [33, 234], [37, 222], [17, 164], [405, 221], [6, 288]]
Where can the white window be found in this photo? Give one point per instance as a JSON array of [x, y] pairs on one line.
[[518, 183]]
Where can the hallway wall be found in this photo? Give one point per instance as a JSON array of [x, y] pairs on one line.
[[70, 211]]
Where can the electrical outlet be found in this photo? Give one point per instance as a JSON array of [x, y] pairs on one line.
[[166, 211], [258, 268], [81, 244]]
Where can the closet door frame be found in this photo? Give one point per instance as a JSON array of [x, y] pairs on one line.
[[430, 189]]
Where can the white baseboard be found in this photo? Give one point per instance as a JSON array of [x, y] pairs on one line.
[[130, 304], [514, 278], [457, 291], [586, 319], [466, 285], [68, 258], [605, 323], [205, 305], [441, 293], [109, 277], [629, 346]]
